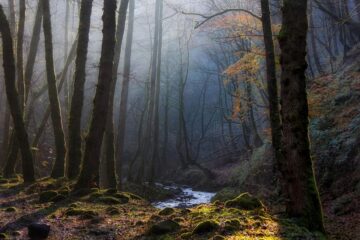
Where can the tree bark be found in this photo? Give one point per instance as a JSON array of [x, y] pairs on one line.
[[297, 166], [89, 175], [272, 83], [120, 142], [109, 131], [156, 127], [13, 100], [77, 101], [59, 165]]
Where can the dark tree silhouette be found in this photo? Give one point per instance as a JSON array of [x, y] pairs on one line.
[[75, 141], [297, 166], [89, 174], [13, 99], [59, 166]]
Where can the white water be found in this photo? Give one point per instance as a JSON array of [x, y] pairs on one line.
[[187, 198]]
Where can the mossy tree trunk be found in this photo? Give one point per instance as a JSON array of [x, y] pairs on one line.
[[120, 141], [13, 100], [59, 166], [272, 83], [75, 141], [89, 174], [297, 167], [109, 132]]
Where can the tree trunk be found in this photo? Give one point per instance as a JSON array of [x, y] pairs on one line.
[[272, 84], [19, 53], [75, 141], [34, 44], [89, 175], [155, 152], [59, 166], [297, 168], [125, 91], [109, 131], [13, 100]]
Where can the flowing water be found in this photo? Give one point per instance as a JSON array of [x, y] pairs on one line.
[[186, 197]]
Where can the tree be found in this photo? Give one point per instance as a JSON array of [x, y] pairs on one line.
[[89, 174], [9, 168], [297, 169], [59, 166], [125, 90], [75, 141], [156, 121], [13, 100], [109, 131], [272, 83]]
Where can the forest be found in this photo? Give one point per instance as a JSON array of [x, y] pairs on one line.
[[191, 119]]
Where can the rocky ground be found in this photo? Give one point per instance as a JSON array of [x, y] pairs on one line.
[[108, 214]]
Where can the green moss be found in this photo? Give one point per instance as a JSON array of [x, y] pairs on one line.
[[205, 227], [3, 181], [233, 225], [134, 196], [47, 196], [74, 205], [3, 236], [112, 211], [109, 200], [186, 235], [163, 227], [110, 191], [95, 195], [225, 194], [122, 197], [11, 209], [166, 211], [83, 213], [245, 202], [218, 237]]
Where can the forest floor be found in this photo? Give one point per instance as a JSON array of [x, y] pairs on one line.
[[108, 214]]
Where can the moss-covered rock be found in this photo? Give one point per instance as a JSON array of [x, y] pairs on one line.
[[232, 225], [134, 196], [47, 196], [95, 195], [163, 227], [83, 213], [245, 202], [123, 198], [11, 209], [225, 194], [186, 235], [206, 227], [112, 211], [74, 205], [166, 211], [109, 200]]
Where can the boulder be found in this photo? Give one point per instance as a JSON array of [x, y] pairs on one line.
[[37, 231], [245, 201], [163, 227]]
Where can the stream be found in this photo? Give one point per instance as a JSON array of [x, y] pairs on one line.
[[186, 198]]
